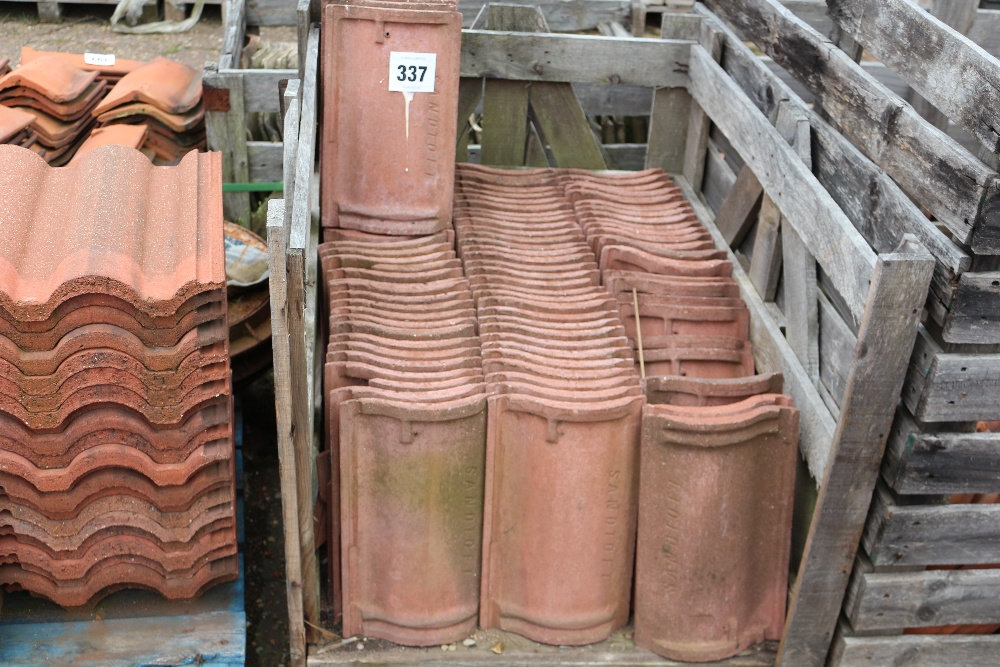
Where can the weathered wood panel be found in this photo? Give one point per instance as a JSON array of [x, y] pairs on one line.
[[574, 58], [264, 158], [899, 534], [876, 206], [940, 463], [946, 68], [823, 227], [952, 387], [958, 189], [563, 16], [836, 349], [923, 650], [887, 601]]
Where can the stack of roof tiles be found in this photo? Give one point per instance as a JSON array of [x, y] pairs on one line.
[[61, 97], [165, 97], [116, 452], [718, 445], [564, 414], [406, 409], [110, 69]]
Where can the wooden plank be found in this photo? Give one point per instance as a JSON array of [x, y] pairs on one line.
[[276, 245], [261, 92], [699, 125], [899, 535], [974, 310], [505, 123], [626, 157], [823, 227], [885, 341], [960, 15], [940, 463], [270, 12], [562, 16], [233, 32], [801, 305], [986, 31], [923, 650], [772, 353], [535, 155], [958, 189], [226, 133], [680, 26], [887, 601], [264, 160], [945, 67], [837, 343], [299, 344], [564, 127], [765, 265], [719, 178], [574, 58], [950, 387], [619, 650], [614, 99], [741, 208], [668, 128]]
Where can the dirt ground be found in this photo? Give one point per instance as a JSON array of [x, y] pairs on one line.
[[86, 28]]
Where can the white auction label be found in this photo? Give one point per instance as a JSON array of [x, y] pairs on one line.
[[99, 59], [411, 72]]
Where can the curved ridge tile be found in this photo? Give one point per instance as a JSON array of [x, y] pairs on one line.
[[117, 425], [171, 86], [111, 223], [115, 576]]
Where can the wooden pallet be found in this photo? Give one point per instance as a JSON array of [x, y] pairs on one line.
[[132, 627]]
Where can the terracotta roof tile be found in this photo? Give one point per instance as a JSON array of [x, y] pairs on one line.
[[13, 122], [51, 77], [132, 136], [171, 86], [119, 69], [150, 236]]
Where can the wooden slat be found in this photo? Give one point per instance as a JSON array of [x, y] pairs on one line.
[[574, 58], [260, 87], [226, 132], [564, 126], [950, 387], [898, 535], [974, 311], [765, 265], [299, 340], [699, 125], [870, 199], [741, 208], [264, 159], [887, 601], [958, 189], [772, 353], [986, 30], [562, 16], [940, 463], [923, 650], [823, 227], [270, 12], [945, 67], [668, 125], [505, 123], [614, 99], [719, 178], [276, 245], [837, 343], [233, 32], [887, 329], [801, 305]]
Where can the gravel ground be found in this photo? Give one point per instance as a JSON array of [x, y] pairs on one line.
[[86, 28]]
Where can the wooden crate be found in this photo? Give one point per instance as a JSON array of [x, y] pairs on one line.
[[838, 264], [231, 93], [951, 381]]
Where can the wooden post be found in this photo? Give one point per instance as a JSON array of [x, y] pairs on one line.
[[698, 122], [276, 245], [225, 130], [887, 332]]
